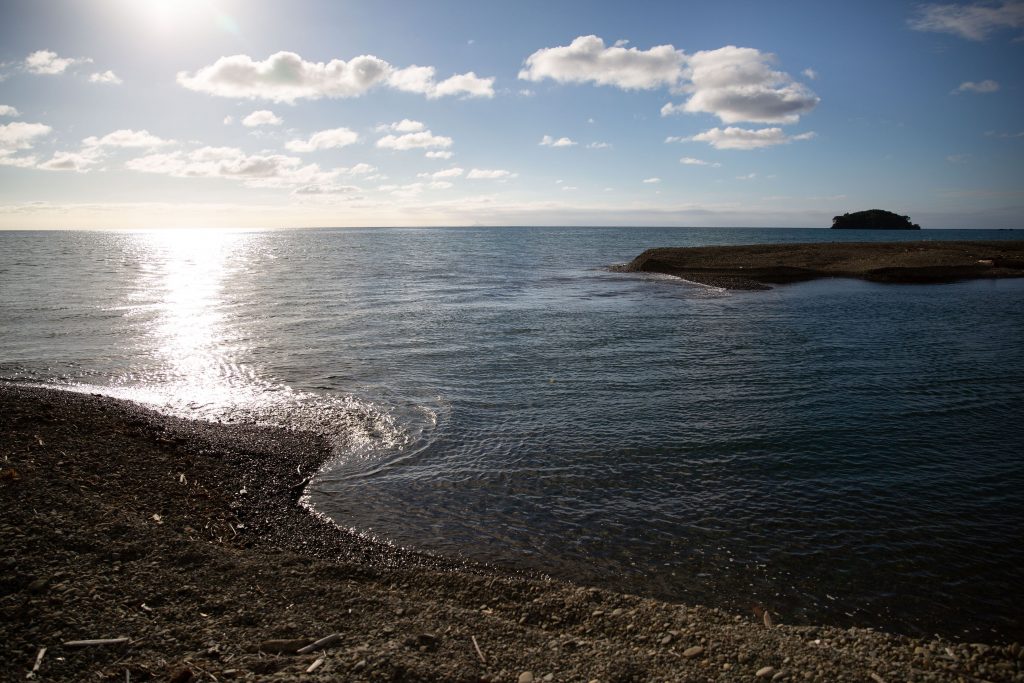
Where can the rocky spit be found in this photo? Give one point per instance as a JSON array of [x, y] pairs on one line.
[[141, 547], [757, 266]]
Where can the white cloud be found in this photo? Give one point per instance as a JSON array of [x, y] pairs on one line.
[[228, 120], [20, 135], [733, 83], [107, 77], [598, 145], [7, 110], [8, 158], [325, 139], [404, 126], [548, 141], [262, 117], [453, 172], [80, 162], [325, 189], [810, 74], [47, 63], [744, 138], [126, 138], [420, 140], [286, 77], [587, 60], [359, 169], [651, 181], [973, 22], [438, 154], [676, 138], [693, 161], [749, 176], [738, 84], [982, 87], [257, 170], [490, 174]]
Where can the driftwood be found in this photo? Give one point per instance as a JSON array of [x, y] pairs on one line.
[[324, 642], [479, 652], [95, 641]]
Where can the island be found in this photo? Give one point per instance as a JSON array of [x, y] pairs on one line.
[[757, 266], [873, 219]]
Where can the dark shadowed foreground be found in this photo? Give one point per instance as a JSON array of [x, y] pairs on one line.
[[181, 548], [758, 265]]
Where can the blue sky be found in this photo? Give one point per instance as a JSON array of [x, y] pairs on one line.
[[245, 113]]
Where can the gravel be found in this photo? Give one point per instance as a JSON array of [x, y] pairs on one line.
[[123, 525]]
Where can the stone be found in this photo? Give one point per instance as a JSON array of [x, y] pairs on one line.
[[765, 671], [695, 651], [526, 677]]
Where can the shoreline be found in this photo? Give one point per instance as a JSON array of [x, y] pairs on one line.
[[758, 266], [188, 539]]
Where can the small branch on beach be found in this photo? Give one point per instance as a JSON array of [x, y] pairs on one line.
[[767, 619], [39, 662], [95, 641], [315, 665], [321, 644], [479, 652]]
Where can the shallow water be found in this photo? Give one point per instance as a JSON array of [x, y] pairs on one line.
[[836, 451]]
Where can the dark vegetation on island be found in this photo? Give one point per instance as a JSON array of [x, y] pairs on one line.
[[140, 547], [873, 219], [759, 265]]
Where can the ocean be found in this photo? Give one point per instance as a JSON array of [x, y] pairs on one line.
[[835, 451]]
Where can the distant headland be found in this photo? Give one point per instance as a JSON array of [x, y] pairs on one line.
[[759, 265], [873, 219]]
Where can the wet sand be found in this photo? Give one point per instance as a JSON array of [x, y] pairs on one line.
[[184, 543], [760, 265]]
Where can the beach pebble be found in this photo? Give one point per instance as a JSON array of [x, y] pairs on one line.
[[765, 672], [667, 639], [695, 651], [526, 677]]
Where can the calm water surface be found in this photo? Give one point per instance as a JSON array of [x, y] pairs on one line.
[[836, 451]]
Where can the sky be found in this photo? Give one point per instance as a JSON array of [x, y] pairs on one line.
[[261, 114]]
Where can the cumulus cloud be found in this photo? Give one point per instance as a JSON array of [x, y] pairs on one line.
[[693, 161], [47, 63], [548, 141], [744, 138], [358, 169], [7, 110], [453, 172], [588, 60], [810, 74], [490, 174], [423, 139], [286, 77], [438, 154], [255, 170], [403, 126], [79, 162], [973, 22], [325, 189], [20, 135], [8, 158], [107, 77], [262, 117], [128, 138], [325, 139], [982, 87], [738, 84], [733, 83]]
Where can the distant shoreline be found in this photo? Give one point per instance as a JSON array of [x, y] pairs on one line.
[[182, 546], [758, 266]]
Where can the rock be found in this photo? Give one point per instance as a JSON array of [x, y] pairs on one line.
[[765, 671], [695, 651], [526, 677], [667, 639]]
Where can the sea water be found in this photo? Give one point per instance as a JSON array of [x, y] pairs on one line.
[[834, 451]]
